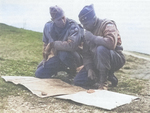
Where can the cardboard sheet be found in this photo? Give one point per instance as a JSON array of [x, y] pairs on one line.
[[44, 87], [54, 87], [100, 98]]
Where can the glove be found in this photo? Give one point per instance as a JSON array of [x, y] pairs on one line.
[[92, 75], [98, 40], [89, 36]]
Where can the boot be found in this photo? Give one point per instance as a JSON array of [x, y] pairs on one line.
[[113, 79], [103, 80], [101, 83]]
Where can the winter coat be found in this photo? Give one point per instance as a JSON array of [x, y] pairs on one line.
[[66, 39], [105, 33]]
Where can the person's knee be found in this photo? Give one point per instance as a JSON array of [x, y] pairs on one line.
[[102, 52], [102, 49], [77, 82], [38, 73], [83, 82], [81, 78]]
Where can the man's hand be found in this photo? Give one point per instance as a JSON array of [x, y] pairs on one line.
[[89, 36], [92, 75], [48, 50]]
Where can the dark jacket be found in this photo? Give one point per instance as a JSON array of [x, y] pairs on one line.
[[66, 39], [105, 33]]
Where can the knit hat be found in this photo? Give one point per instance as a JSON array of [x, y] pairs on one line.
[[86, 13], [56, 12]]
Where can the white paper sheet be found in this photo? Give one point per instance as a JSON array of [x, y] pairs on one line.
[[100, 98]]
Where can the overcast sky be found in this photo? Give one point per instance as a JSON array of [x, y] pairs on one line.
[[131, 16]]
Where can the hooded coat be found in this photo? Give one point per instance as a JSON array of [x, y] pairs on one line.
[[105, 33]]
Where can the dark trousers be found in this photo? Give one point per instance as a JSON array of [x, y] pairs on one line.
[[104, 59], [55, 64]]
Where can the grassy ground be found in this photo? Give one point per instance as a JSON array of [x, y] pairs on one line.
[[20, 53]]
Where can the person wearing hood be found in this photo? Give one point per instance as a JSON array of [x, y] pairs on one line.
[[102, 51]]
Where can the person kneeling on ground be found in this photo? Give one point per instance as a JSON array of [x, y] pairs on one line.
[[61, 38], [102, 51]]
